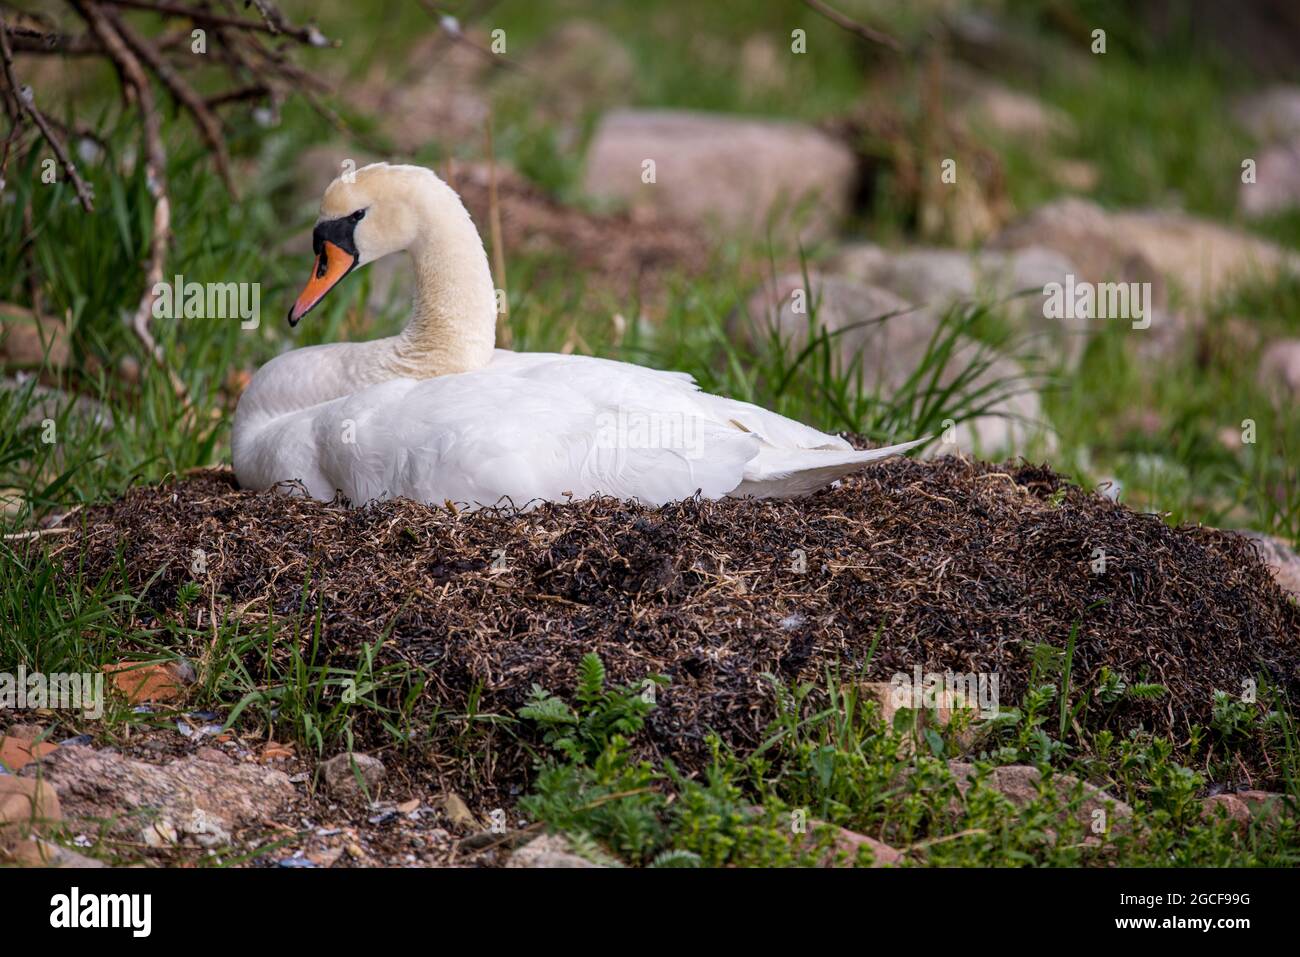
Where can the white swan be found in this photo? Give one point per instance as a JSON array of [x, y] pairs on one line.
[[436, 414]]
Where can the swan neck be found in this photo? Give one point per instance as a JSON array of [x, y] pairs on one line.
[[453, 317]]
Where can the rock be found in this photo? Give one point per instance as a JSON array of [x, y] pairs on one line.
[[1279, 370], [25, 805], [50, 403], [1013, 281], [18, 752], [1280, 558], [728, 170], [888, 350], [35, 852], [341, 778], [1243, 806], [1277, 181], [1265, 804], [140, 682], [28, 341], [185, 799], [549, 850], [947, 705], [1019, 784], [1012, 113], [1272, 116], [1201, 259], [844, 852], [1234, 807]]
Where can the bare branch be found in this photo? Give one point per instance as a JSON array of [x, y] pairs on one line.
[[27, 103], [209, 125], [853, 26], [28, 40], [308, 34], [135, 79]]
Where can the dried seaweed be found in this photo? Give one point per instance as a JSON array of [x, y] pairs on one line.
[[947, 565]]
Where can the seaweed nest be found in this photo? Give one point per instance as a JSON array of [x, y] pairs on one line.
[[947, 565]]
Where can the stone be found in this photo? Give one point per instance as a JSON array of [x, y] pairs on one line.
[[1276, 188], [729, 171], [1281, 559], [1011, 282], [35, 852], [1012, 113], [25, 805], [844, 852], [1200, 259], [1019, 784], [51, 403], [28, 341], [1234, 807], [947, 706], [549, 850], [18, 752], [341, 778], [186, 800], [1279, 370], [1271, 116], [158, 683], [1241, 807], [886, 338]]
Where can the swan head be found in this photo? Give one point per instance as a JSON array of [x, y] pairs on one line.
[[365, 215]]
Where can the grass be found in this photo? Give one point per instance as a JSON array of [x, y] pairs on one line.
[[1153, 127]]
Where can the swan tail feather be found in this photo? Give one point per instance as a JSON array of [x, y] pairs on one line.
[[789, 473]]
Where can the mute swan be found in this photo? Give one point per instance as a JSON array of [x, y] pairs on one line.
[[438, 415]]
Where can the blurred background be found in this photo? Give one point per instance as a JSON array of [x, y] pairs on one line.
[[850, 213]]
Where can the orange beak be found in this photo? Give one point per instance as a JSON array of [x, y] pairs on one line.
[[332, 264]]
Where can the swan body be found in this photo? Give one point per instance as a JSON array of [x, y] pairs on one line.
[[436, 414]]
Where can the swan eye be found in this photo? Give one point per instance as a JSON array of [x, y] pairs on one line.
[[357, 216]]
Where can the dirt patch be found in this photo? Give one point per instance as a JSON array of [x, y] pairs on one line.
[[943, 565]]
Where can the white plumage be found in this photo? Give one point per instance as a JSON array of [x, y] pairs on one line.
[[433, 416]]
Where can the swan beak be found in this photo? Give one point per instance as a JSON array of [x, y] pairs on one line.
[[332, 264]]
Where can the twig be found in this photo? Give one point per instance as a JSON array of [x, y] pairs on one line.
[[451, 28], [136, 83], [209, 126], [853, 26], [27, 104], [27, 40], [308, 34]]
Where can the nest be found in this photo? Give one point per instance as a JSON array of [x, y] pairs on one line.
[[947, 565]]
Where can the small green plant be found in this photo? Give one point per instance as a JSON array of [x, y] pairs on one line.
[[584, 734]]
